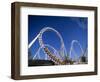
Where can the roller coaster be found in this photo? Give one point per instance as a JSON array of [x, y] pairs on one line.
[[60, 57]]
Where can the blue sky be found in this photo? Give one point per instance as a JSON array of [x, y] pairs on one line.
[[70, 28]]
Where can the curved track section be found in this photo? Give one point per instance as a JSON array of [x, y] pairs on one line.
[[72, 49]]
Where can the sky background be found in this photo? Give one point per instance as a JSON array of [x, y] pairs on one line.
[[70, 28]]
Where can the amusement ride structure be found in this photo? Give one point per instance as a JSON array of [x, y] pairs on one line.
[[62, 57]]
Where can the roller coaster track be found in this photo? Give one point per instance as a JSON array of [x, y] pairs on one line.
[[48, 53], [46, 50], [72, 49]]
